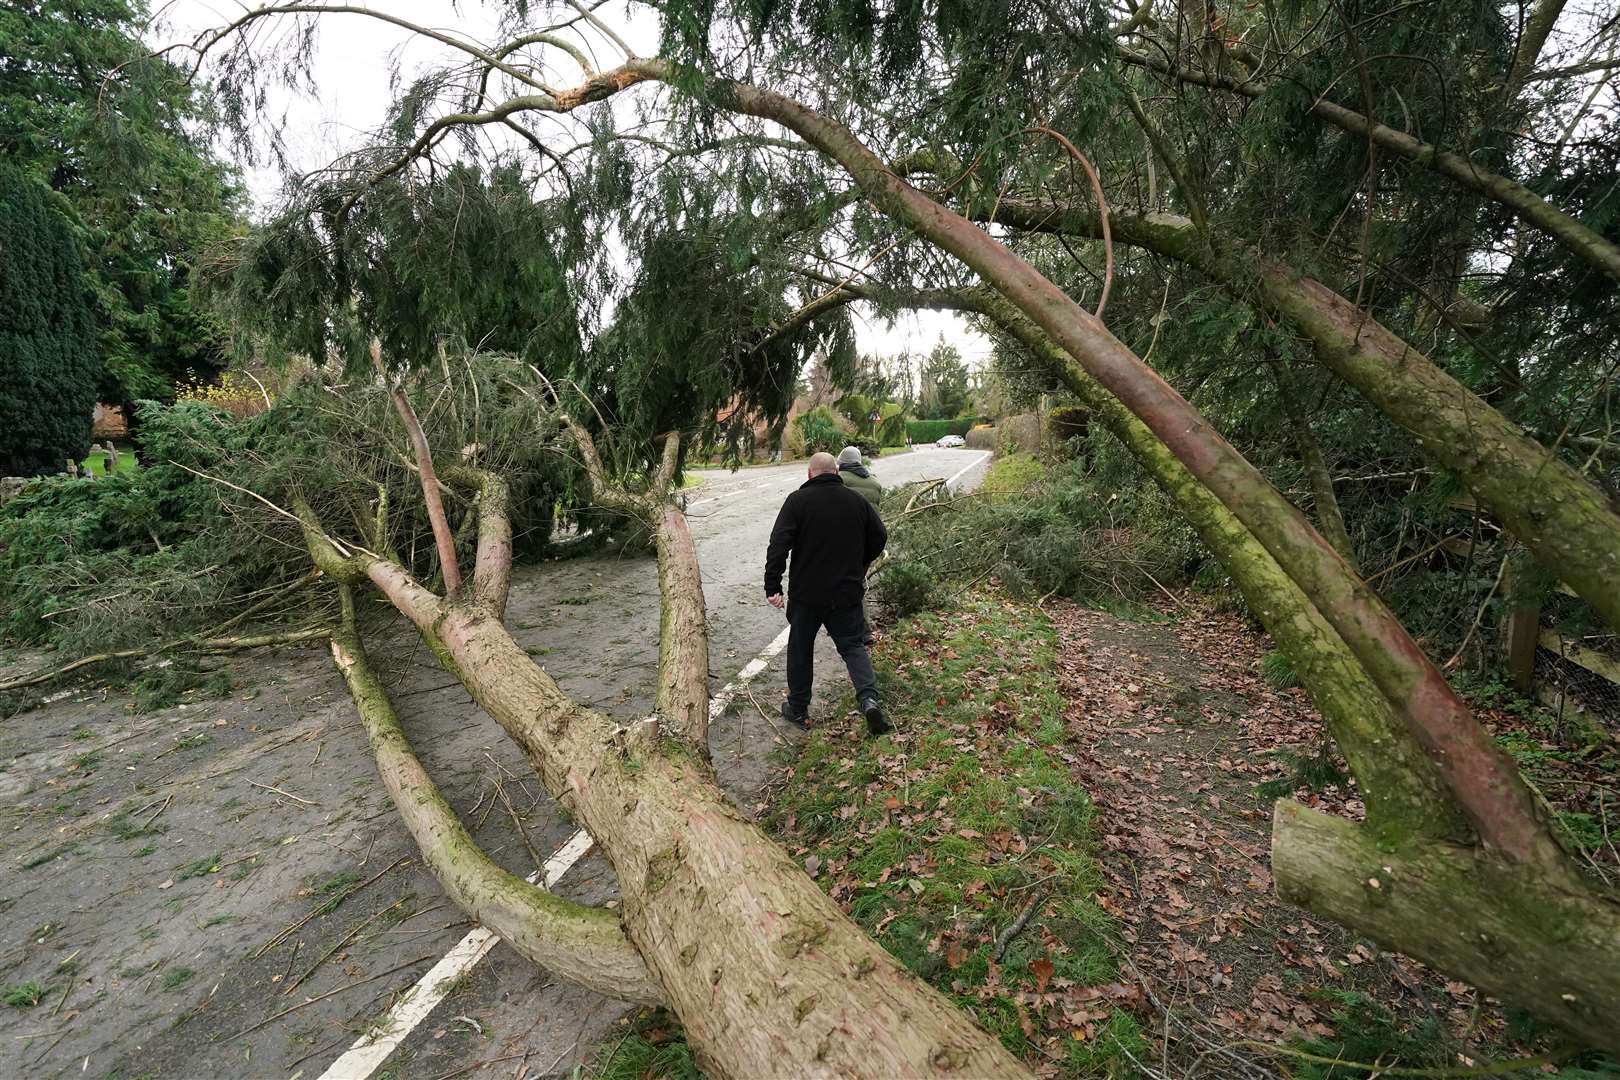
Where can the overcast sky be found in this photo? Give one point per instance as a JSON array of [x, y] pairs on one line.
[[351, 69]]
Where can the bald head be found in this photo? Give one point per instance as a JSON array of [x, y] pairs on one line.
[[822, 463]]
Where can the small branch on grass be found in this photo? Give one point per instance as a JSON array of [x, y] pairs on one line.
[[1495, 1068], [1016, 927]]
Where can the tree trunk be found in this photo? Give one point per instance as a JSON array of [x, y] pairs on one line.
[[1552, 509], [767, 975], [683, 639], [1553, 950], [1329, 518], [1403, 792]]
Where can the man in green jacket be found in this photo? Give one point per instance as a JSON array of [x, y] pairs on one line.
[[857, 476]]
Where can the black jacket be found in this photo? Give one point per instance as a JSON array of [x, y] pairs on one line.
[[833, 534]]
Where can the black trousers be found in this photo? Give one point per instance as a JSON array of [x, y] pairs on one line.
[[847, 627]]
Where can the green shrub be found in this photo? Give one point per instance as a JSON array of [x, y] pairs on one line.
[[1087, 528], [162, 551], [907, 587], [821, 431], [49, 359]]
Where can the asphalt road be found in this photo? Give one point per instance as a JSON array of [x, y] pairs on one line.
[[169, 879]]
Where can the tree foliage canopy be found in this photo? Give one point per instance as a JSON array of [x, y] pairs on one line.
[[123, 137], [49, 363]]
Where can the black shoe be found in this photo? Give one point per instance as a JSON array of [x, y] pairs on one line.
[[875, 724], [800, 720]]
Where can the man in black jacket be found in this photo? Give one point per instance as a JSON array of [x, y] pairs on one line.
[[833, 535]]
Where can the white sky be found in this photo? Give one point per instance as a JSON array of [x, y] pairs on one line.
[[351, 70]]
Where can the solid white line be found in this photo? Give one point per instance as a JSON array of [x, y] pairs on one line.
[[374, 1047], [976, 464]]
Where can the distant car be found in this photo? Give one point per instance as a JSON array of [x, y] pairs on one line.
[[951, 441]]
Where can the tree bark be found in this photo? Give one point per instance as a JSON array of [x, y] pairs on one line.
[[767, 975], [1552, 509], [1329, 518], [430, 493], [583, 944], [682, 701], [1553, 950], [1403, 792]]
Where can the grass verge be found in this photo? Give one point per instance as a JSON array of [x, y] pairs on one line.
[[961, 843]]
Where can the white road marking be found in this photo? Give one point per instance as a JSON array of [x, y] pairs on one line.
[[976, 463], [374, 1047], [717, 498]]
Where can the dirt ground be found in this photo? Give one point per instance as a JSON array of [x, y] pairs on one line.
[[221, 889], [1177, 736]]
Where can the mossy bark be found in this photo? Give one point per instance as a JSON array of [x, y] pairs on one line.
[[683, 636], [1403, 792], [1552, 949], [1560, 515], [583, 944]]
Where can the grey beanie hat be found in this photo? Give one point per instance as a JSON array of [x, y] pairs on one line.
[[849, 455]]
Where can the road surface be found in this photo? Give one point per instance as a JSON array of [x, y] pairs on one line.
[[161, 870]]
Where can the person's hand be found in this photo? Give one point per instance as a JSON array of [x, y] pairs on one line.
[[776, 601]]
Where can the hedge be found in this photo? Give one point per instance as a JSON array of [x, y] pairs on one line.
[[927, 431]]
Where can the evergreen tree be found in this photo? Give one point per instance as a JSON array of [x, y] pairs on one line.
[[943, 387], [48, 359], [123, 137]]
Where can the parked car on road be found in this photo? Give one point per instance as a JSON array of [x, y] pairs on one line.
[[951, 441]]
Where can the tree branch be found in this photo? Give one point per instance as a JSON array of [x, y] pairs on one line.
[[582, 944]]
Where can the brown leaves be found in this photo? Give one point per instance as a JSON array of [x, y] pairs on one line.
[[1042, 970]]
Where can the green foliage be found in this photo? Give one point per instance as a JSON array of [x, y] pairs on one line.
[[23, 995], [123, 138], [1081, 531], [49, 363], [929, 431], [652, 1048], [162, 551], [908, 586], [821, 430], [1278, 671]]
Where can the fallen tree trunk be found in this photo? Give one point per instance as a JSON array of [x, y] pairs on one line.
[[1403, 792], [1560, 515], [1552, 950], [767, 975]]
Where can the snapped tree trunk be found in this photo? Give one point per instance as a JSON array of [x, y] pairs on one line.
[[1329, 518], [1552, 950], [767, 975]]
